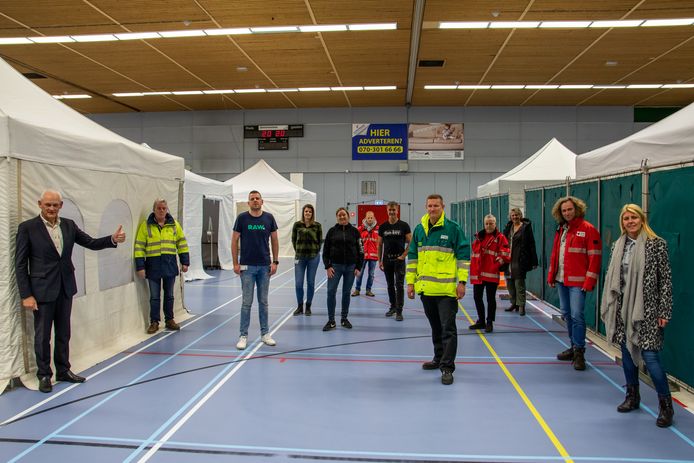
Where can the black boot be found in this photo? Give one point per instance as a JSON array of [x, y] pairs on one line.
[[632, 400], [579, 359], [567, 355], [666, 412], [308, 309], [299, 310]]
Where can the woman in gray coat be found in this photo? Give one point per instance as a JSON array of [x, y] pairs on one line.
[[637, 305]]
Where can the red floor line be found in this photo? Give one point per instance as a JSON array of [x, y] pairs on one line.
[[337, 359]]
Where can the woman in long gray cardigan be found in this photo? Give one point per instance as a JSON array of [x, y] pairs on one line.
[[637, 305]]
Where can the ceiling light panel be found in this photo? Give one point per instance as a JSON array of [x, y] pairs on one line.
[[373, 27], [324, 28], [229, 31], [52, 39], [95, 38]]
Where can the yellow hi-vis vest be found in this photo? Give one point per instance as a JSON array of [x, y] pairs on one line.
[[435, 259]]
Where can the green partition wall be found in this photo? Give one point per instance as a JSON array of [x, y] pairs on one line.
[[534, 280], [670, 196]]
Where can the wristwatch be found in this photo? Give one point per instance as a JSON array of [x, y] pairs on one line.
[[276, 262]]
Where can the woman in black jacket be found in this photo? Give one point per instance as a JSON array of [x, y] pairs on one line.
[[519, 233], [342, 255]]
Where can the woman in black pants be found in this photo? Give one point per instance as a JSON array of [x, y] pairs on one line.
[[519, 233]]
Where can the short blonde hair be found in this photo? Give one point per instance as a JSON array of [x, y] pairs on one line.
[[517, 211], [490, 216], [579, 205], [636, 209]]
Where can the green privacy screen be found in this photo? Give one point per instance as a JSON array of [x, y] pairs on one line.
[[669, 208]]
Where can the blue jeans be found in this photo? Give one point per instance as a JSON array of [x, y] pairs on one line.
[[653, 365], [155, 298], [260, 277], [307, 266], [369, 281], [346, 272], [572, 301]]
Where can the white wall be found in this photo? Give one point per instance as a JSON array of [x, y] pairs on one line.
[[496, 140]]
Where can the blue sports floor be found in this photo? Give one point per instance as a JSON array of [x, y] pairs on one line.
[[355, 395]]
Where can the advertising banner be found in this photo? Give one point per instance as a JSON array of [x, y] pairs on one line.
[[435, 141], [371, 142]]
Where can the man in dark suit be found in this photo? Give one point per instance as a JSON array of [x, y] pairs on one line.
[[46, 281]]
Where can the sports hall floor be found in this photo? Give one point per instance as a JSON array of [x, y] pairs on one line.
[[355, 395]]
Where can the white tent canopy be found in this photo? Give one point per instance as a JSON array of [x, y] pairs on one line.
[[281, 198], [106, 181], [195, 189], [668, 140], [552, 163]]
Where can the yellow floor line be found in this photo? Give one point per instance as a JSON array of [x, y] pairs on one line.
[[543, 424]]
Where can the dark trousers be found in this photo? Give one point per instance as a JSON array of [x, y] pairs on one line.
[[55, 313], [478, 291], [441, 312], [395, 279], [155, 287]]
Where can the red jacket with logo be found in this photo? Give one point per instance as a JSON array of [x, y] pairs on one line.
[[582, 255], [369, 239], [486, 248]]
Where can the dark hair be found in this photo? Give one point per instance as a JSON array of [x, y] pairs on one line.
[[255, 191], [341, 209], [435, 196], [393, 204], [313, 213]]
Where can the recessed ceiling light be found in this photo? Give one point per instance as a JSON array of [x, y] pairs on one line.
[[611, 63], [241, 69], [53, 39]]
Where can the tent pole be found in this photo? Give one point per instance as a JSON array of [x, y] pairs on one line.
[[644, 186], [181, 279], [22, 311]]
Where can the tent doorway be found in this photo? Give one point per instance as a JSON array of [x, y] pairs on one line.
[[210, 227]]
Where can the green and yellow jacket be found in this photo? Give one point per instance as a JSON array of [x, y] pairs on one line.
[[156, 248], [435, 259]]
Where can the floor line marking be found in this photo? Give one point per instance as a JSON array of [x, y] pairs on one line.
[[77, 418], [119, 361], [528, 403], [672, 428], [232, 369]]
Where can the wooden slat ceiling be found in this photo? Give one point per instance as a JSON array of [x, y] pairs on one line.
[[499, 56]]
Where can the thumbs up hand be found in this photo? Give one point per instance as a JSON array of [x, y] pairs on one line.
[[119, 235]]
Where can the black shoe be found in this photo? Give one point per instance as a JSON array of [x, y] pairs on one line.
[[446, 377], [391, 312], [45, 384], [511, 308], [478, 325], [666, 412], [433, 365], [398, 317], [567, 355], [489, 327], [330, 325], [632, 400], [299, 310], [70, 377], [307, 312], [579, 359], [346, 324], [522, 311]]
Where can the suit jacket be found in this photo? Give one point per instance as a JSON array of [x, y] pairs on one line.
[[41, 271]]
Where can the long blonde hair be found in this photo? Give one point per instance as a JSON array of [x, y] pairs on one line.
[[636, 209]]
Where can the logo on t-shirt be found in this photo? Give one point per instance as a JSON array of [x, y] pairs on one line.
[[256, 227]]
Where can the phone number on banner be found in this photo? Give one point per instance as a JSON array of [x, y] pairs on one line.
[[379, 149]]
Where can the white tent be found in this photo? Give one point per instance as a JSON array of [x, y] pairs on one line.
[[195, 189], [668, 140], [105, 180], [550, 164], [281, 198]]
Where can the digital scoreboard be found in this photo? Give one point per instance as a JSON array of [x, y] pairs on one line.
[[273, 137]]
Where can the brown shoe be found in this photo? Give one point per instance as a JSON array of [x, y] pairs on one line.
[[172, 325], [153, 328]]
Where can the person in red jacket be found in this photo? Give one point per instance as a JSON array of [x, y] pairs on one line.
[[369, 238], [574, 269], [489, 251]]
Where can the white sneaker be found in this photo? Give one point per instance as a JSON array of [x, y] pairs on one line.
[[267, 339], [243, 341]]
